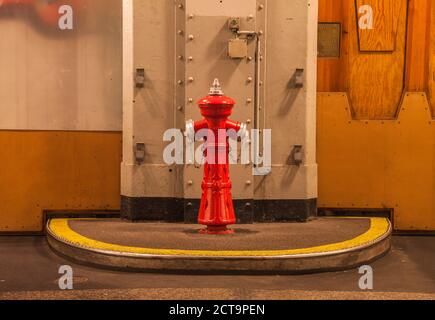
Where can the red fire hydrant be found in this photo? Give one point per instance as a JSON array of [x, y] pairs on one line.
[[216, 209]]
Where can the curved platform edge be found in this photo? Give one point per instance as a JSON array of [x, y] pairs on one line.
[[288, 264]]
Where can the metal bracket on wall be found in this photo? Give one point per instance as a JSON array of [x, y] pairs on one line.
[[139, 153], [299, 79], [140, 78], [297, 156]]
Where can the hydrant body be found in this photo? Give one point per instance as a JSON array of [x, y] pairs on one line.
[[216, 209]]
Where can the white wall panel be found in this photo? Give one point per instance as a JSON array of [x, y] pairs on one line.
[[61, 80]]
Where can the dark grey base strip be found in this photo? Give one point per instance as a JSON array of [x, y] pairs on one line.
[[285, 210], [152, 209], [380, 213], [247, 211]]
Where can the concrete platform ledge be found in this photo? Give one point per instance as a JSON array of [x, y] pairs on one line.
[[324, 244]]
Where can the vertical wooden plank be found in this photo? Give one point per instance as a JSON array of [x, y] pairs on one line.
[[329, 70], [431, 73], [418, 45]]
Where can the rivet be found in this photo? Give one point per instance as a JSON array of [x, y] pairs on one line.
[[261, 7], [180, 57], [180, 82], [249, 58], [190, 100], [249, 79], [180, 32], [248, 121], [189, 204], [191, 37], [190, 58], [248, 183], [260, 32], [180, 6], [190, 182], [180, 108], [261, 83], [249, 100], [191, 16], [191, 79], [250, 17]]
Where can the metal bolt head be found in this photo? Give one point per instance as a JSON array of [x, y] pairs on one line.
[[250, 79], [248, 182], [191, 16], [234, 22], [190, 182], [249, 58], [190, 58], [191, 37], [249, 100], [261, 7], [248, 121], [180, 108], [250, 17], [190, 100], [180, 32], [191, 79]]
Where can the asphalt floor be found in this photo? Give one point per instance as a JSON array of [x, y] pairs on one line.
[[30, 270]]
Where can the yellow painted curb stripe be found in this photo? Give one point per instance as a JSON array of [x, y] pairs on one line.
[[61, 230]]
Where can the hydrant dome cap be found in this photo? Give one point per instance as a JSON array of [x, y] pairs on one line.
[[216, 100]]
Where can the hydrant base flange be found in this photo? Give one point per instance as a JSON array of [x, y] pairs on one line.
[[216, 230]]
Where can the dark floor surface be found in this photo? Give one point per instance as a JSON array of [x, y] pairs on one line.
[[28, 264], [267, 236]]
